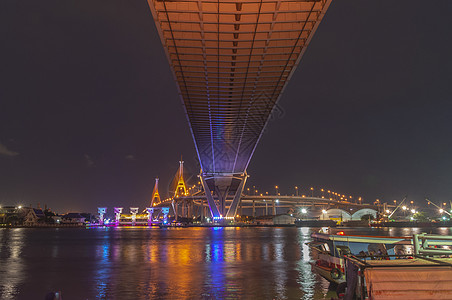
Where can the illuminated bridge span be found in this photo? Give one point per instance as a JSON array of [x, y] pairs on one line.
[[231, 60]]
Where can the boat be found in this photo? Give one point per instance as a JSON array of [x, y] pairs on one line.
[[329, 251], [427, 275]]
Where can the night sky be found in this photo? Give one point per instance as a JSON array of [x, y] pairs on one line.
[[90, 115]]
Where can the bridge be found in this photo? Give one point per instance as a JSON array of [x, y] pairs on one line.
[[231, 60], [190, 201]]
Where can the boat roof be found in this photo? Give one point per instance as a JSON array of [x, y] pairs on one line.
[[363, 238]]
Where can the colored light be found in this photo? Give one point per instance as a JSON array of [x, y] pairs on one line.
[[340, 233]]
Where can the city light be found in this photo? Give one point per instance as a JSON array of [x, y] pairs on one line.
[[413, 211], [441, 210], [387, 211], [323, 211], [404, 207], [304, 210]]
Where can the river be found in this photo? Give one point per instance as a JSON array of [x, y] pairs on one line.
[[177, 263]]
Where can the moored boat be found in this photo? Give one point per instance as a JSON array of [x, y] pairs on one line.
[[329, 250]]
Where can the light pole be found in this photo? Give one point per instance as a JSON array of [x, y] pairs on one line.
[[312, 191], [296, 191], [277, 189]]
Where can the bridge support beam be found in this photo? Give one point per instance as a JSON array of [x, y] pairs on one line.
[[213, 207], [222, 185], [238, 194]]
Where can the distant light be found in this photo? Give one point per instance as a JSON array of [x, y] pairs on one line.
[[413, 211], [404, 207], [411, 218], [340, 233], [19, 207], [444, 218], [441, 210], [387, 211], [277, 200], [324, 211], [304, 210]]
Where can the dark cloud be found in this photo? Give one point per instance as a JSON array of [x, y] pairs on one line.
[[7, 152]]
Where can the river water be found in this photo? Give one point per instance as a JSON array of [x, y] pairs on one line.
[[177, 263]]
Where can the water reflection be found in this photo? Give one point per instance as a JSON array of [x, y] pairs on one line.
[[103, 268], [11, 262], [134, 263]]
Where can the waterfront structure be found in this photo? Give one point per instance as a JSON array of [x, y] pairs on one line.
[[73, 219], [34, 216], [101, 211], [232, 60], [118, 212]]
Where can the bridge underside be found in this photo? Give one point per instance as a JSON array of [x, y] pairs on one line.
[[231, 60]]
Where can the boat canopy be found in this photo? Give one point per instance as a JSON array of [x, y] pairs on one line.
[[363, 239]]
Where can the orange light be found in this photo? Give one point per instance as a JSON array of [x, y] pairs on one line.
[[340, 233]]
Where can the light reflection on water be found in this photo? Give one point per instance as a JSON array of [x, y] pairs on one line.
[[11, 262], [141, 263]]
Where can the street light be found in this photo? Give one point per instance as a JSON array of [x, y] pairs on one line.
[[276, 188], [413, 211], [312, 192], [404, 207], [296, 191], [304, 210]]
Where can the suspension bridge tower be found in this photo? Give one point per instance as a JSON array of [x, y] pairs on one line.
[[181, 187], [155, 200]]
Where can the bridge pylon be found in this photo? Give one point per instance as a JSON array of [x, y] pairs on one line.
[[155, 200], [218, 187], [181, 187]]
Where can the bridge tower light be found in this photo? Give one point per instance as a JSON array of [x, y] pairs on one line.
[[155, 200], [181, 187]]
